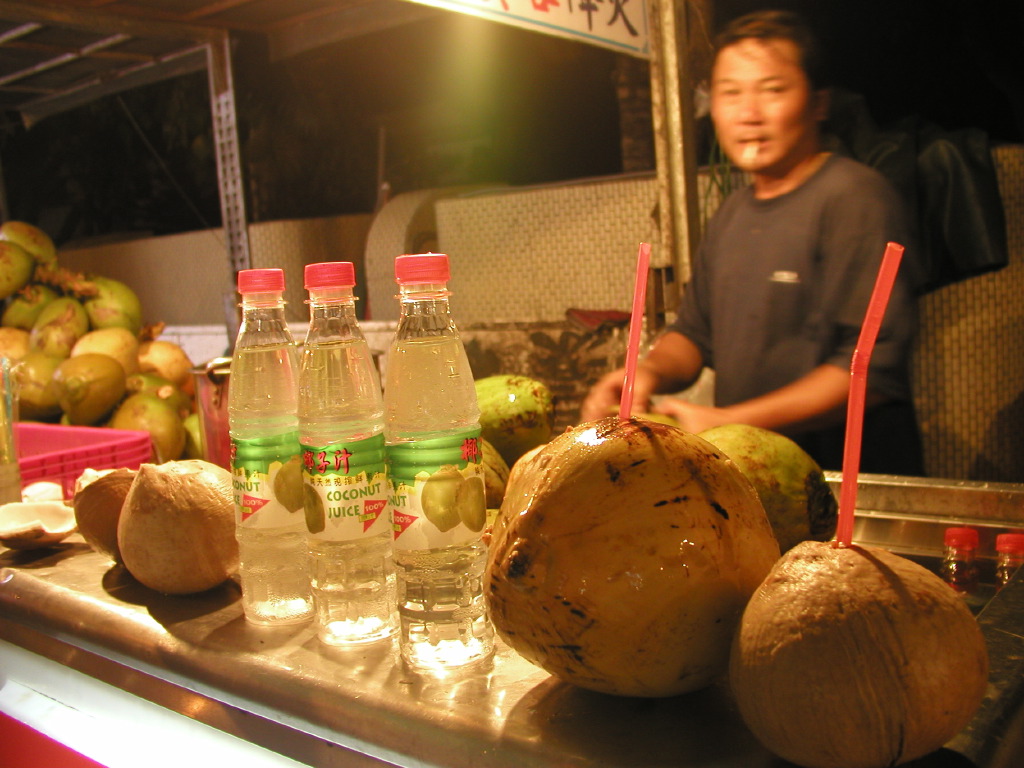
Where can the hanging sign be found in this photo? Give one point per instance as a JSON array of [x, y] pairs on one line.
[[617, 24]]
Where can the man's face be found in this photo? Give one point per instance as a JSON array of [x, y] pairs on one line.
[[765, 113]]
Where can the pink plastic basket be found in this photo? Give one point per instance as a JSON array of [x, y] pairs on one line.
[[60, 454]]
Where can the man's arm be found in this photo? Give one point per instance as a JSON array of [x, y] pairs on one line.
[[814, 401]]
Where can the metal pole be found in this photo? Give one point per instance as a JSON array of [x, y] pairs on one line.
[[675, 156], [229, 171]]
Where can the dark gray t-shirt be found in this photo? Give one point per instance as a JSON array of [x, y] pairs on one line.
[[781, 286]]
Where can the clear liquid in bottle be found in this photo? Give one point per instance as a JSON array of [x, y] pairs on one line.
[[265, 458], [436, 477], [341, 429]]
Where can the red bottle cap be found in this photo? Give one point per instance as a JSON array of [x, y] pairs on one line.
[[330, 274], [961, 538], [260, 281], [1012, 543], [422, 269]]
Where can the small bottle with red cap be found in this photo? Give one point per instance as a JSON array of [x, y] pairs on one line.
[[341, 429], [959, 567], [432, 430], [266, 458], [1009, 557]]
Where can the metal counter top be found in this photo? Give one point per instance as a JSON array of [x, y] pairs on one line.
[[282, 689]]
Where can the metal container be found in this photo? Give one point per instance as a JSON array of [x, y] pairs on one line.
[[211, 382]]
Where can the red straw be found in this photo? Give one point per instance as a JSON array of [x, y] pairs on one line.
[[636, 321], [858, 390]]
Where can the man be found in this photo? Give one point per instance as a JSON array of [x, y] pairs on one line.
[[782, 278]]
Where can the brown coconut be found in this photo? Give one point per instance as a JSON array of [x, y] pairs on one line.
[[854, 657], [99, 496], [177, 528]]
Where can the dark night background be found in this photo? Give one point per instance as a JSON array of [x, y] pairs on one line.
[[459, 100]]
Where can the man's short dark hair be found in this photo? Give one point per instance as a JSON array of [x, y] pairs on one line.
[[777, 25]]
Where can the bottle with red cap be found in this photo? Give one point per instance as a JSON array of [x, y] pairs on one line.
[[341, 429], [1009, 557], [959, 567], [432, 430], [265, 457]]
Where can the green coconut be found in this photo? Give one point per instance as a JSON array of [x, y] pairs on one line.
[[193, 437], [88, 387], [37, 396], [154, 384], [16, 267], [495, 474], [61, 323], [30, 237], [118, 343], [115, 305], [790, 484], [24, 308], [13, 343], [516, 414], [149, 413]]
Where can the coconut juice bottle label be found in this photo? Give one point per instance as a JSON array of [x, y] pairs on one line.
[[266, 480], [345, 489], [437, 496]]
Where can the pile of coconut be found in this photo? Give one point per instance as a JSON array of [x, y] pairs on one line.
[[82, 354]]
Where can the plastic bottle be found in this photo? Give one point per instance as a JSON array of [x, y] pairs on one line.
[[1009, 557], [265, 457], [341, 430], [959, 568], [432, 427]]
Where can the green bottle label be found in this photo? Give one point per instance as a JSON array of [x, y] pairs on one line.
[[267, 480], [345, 489], [437, 494]]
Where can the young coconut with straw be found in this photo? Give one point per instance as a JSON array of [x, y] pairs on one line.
[[850, 656]]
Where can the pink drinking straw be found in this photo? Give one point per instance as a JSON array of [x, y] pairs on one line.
[[858, 390], [636, 321]]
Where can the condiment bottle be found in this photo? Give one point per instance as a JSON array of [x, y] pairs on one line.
[[959, 568], [341, 429], [1009, 557], [432, 428], [265, 457]]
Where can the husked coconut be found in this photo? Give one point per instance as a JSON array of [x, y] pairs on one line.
[[853, 657], [176, 533], [623, 555], [99, 496]]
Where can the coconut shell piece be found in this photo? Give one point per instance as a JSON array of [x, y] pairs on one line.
[[31, 525]]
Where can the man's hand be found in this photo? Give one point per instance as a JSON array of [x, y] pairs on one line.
[[604, 396], [692, 417]]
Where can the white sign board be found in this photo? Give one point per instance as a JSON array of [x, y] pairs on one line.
[[617, 24]]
